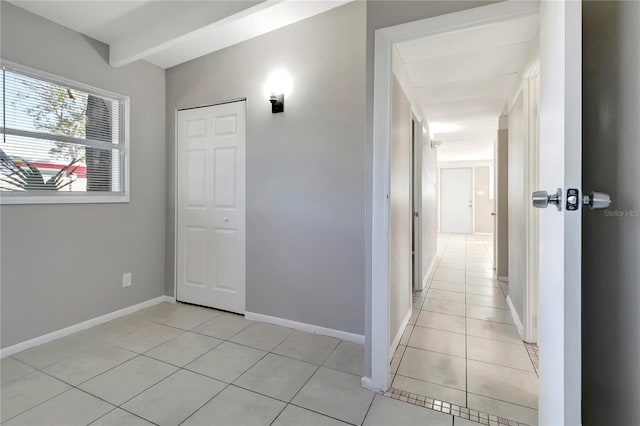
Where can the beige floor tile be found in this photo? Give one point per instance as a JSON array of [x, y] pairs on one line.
[[444, 285], [449, 275], [484, 290], [386, 411], [451, 264], [276, 376], [296, 416], [506, 384], [473, 273], [262, 336], [503, 409], [175, 398], [237, 407], [55, 351], [406, 334], [183, 349], [347, 357], [27, 392], [226, 362], [495, 301], [72, 408], [452, 323], [127, 380], [336, 394], [489, 314], [430, 390], [438, 341], [482, 281], [223, 326], [159, 312], [493, 330], [308, 347], [450, 296], [479, 266], [441, 369], [11, 369], [86, 365], [120, 417], [147, 338], [443, 307], [459, 421], [114, 329], [500, 353], [189, 317], [414, 315]]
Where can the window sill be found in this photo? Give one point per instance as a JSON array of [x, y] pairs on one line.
[[63, 199]]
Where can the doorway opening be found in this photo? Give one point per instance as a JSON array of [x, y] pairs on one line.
[[473, 75]]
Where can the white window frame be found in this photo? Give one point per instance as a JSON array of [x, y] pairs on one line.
[[7, 197]]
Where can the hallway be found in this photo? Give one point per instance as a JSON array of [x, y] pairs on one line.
[[461, 347]]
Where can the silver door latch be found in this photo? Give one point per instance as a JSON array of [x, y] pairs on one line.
[[596, 200], [541, 199]]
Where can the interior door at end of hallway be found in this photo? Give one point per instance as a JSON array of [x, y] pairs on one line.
[[210, 256], [456, 200]]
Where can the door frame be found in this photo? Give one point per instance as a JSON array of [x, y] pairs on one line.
[[416, 202], [175, 187], [378, 340]]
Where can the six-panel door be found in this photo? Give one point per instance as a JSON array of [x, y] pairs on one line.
[[211, 206]]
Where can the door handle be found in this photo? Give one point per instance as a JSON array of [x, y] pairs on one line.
[[541, 199], [494, 214], [596, 200]]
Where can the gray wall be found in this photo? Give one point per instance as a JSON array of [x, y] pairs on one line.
[[611, 244], [483, 206], [502, 194], [63, 264], [400, 273], [517, 166], [305, 167], [429, 209]]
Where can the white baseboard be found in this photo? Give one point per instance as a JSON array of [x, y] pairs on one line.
[[516, 318], [309, 328], [396, 340], [27, 344], [503, 279], [429, 272]]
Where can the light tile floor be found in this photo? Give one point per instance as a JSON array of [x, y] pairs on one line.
[[461, 345], [180, 364]]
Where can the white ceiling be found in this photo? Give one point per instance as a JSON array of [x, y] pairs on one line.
[[462, 80], [170, 32]]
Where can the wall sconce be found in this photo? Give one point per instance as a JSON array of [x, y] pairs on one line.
[[277, 103], [277, 86]]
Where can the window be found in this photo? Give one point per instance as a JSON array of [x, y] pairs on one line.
[[61, 141]]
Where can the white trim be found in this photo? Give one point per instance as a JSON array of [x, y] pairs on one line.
[[432, 266], [516, 318], [309, 328], [27, 344], [385, 38], [503, 279], [403, 326]]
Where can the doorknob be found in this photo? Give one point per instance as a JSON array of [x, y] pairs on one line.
[[597, 200], [494, 214], [541, 199]]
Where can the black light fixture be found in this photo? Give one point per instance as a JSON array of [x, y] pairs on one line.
[[277, 103], [276, 87]]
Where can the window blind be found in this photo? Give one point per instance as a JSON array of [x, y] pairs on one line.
[[59, 138]]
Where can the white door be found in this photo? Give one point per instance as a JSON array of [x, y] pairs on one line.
[[456, 205], [211, 206], [559, 243]]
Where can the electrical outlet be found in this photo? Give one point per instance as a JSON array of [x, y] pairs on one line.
[[126, 279]]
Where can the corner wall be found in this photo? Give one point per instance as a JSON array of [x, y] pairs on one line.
[[63, 264], [305, 167]]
